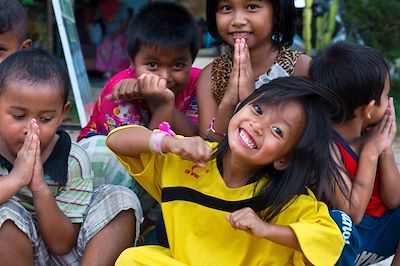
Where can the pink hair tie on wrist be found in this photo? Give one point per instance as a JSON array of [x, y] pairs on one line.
[[158, 135], [165, 127]]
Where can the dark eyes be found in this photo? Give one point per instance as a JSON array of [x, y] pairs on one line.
[[252, 7], [278, 131], [152, 65], [258, 109]]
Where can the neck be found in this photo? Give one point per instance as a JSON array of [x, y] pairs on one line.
[[235, 172], [262, 58], [350, 131]]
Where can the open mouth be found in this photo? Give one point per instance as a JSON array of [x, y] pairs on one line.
[[247, 139]]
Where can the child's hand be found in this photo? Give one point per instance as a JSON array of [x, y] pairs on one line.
[[246, 84], [393, 128], [25, 161], [125, 90], [382, 135], [154, 90], [246, 219], [37, 183], [241, 83], [194, 149]]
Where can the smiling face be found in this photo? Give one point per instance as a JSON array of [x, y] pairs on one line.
[[261, 134], [20, 103], [249, 19], [173, 64]]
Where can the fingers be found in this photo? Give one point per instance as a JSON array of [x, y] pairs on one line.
[[239, 219], [194, 149], [124, 90]]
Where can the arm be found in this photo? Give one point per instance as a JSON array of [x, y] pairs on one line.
[[246, 219], [57, 231], [159, 99], [133, 140], [361, 186], [302, 65], [240, 85], [22, 171], [387, 167]]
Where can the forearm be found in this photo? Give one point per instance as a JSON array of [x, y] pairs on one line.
[[221, 122], [362, 186], [389, 180], [282, 235], [9, 187], [178, 121], [130, 141], [56, 229]]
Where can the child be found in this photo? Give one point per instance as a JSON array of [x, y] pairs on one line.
[[359, 76], [49, 213], [249, 204], [159, 86], [261, 33], [13, 28]]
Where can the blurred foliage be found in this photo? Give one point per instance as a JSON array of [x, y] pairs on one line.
[[376, 22]]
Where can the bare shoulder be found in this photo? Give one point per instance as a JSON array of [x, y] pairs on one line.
[[302, 65]]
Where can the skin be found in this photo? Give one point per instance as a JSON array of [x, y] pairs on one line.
[[30, 114], [251, 21], [377, 147], [273, 131], [162, 74], [375, 154], [10, 43]]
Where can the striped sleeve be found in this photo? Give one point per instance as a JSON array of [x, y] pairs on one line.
[[75, 197]]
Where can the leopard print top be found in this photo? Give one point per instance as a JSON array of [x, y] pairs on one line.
[[222, 68]]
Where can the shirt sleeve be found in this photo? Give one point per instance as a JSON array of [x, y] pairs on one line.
[[75, 197], [146, 169], [319, 237]]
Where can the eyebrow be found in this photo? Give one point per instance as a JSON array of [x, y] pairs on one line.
[[24, 109]]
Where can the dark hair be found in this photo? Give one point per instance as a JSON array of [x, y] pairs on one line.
[[34, 66], [284, 21], [311, 164], [13, 18], [355, 73], [164, 25]]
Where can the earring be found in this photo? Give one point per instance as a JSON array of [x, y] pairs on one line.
[[277, 37]]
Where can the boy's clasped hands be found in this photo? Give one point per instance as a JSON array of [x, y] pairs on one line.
[[28, 166]]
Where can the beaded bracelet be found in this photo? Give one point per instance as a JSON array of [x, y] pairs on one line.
[[211, 128]]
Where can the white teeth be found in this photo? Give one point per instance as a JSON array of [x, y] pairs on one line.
[[247, 140]]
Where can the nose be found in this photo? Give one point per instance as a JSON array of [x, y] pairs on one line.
[[239, 18], [257, 127], [166, 74]]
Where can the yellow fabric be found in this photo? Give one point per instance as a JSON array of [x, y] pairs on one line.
[[199, 234]]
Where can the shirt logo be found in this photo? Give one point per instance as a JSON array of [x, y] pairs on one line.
[[192, 173]]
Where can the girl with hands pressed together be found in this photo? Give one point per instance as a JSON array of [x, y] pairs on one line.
[[260, 33], [246, 200]]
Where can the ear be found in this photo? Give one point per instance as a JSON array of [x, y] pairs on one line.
[[65, 110], [26, 44], [369, 109], [281, 164]]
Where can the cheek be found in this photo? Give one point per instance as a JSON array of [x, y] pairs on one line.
[[182, 79]]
